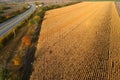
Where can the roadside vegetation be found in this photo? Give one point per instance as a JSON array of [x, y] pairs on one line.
[[39, 3], [4, 72]]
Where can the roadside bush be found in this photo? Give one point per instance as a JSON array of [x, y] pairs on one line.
[[5, 8], [2, 18], [1, 45], [37, 3], [1, 12], [17, 60], [6, 37], [36, 18], [31, 33], [27, 6], [32, 22], [3, 40], [27, 40], [4, 73], [41, 13], [54, 6], [7, 16], [1, 7]]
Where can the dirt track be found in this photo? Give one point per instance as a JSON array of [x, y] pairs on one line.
[[79, 42]]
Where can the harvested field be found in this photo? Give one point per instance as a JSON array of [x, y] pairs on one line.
[[79, 42]]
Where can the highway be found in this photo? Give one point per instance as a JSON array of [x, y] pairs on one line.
[[8, 25]]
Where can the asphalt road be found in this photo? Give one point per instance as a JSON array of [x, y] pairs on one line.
[[79, 42], [8, 25]]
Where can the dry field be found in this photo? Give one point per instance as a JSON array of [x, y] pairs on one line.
[[79, 42]]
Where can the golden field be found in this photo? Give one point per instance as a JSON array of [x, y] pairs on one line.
[[79, 42]]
